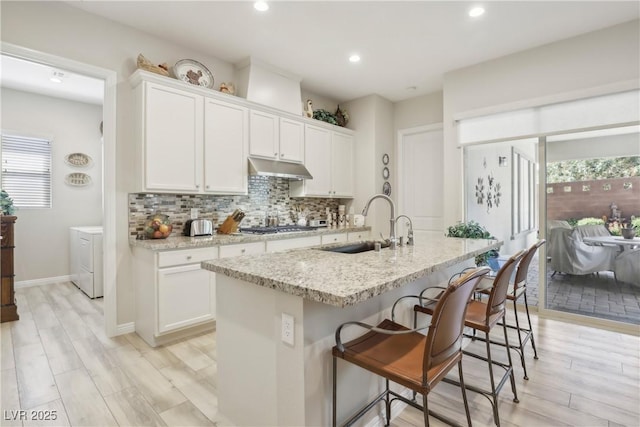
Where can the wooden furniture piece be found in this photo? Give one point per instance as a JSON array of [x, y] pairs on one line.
[[407, 357], [8, 309]]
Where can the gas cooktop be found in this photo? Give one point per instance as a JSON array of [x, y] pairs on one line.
[[278, 229]]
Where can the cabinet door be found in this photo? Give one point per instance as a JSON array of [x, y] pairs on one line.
[[225, 148], [186, 296], [342, 165], [264, 136], [74, 250], [172, 151], [317, 159], [291, 140]]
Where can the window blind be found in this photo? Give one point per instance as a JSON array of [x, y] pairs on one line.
[[26, 170], [600, 111]]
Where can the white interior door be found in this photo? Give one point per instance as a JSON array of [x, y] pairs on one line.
[[420, 180]]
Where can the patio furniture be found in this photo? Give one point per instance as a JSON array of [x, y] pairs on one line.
[[571, 255], [627, 266]]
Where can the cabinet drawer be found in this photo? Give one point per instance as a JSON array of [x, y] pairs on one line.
[[229, 251], [186, 256], [357, 236], [334, 238]]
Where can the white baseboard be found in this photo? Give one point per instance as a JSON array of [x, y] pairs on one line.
[[39, 282], [125, 328]]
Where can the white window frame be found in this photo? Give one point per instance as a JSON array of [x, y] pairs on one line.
[[27, 178]]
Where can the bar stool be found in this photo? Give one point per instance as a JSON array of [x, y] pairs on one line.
[[483, 317], [409, 358], [515, 291]]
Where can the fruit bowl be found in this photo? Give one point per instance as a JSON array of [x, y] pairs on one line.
[[157, 226]]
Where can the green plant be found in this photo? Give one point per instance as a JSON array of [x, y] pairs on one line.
[[635, 222], [590, 221], [6, 203], [473, 230], [325, 116], [573, 222]]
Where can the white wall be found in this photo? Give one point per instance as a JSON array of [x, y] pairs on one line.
[[418, 111], [62, 30], [42, 235], [497, 219], [567, 69], [372, 118]]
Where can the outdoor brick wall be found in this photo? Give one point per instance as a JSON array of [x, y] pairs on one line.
[[595, 202]]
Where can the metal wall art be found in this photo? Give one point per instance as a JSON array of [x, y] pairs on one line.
[[492, 194]]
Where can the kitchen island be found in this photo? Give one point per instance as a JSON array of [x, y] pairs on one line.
[[263, 380]]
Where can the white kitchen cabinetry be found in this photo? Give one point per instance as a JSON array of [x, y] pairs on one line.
[[328, 239], [174, 296], [356, 236], [226, 141], [188, 142], [328, 156], [229, 251], [274, 137], [171, 130]]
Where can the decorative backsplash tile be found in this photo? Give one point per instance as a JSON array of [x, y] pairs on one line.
[[266, 194]]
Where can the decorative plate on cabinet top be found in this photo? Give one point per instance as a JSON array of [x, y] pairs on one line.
[[77, 179], [193, 72], [78, 160]]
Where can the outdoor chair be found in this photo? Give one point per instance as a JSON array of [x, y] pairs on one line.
[[570, 255], [627, 266]]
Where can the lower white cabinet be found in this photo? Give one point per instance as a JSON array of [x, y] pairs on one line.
[[356, 236], [85, 260], [328, 239], [186, 296], [174, 296]]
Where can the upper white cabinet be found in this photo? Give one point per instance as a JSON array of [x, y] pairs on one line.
[[188, 142], [170, 150], [275, 137], [328, 155], [226, 141]]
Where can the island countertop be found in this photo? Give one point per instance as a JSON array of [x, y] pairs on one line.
[[347, 279]]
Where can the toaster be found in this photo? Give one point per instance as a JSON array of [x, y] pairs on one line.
[[198, 227]]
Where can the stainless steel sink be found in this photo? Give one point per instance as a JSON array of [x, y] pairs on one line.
[[354, 248]]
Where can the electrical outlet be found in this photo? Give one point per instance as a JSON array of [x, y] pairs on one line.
[[287, 328], [194, 213]]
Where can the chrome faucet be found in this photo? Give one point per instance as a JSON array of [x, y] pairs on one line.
[[392, 221], [410, 232]]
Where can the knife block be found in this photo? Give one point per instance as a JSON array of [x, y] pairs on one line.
[[229, 226]]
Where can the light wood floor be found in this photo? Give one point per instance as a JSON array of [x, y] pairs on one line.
[[57, 358]]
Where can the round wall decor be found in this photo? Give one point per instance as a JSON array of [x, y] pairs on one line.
[[386, 189], [385, 173], [385, 159]]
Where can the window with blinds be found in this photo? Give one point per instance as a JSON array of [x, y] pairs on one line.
[[26, 170]]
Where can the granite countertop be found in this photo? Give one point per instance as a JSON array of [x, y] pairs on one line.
[[348, 279], [184, 242]]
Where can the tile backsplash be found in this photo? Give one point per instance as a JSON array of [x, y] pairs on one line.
[[266, 194]]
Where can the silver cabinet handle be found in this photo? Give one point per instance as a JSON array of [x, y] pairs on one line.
[[197, 185], [208, 186], [281, 154], [243, 251], [189, 257], [275, 154]]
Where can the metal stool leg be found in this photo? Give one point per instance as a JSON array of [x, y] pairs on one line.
[[533, 341], [464, 394], [494, 394], [511, 375], [425, 410], [520, 346]]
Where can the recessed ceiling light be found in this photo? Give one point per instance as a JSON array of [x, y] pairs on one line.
[[476, 11], [354, 58], [262, 6], [56, 77]]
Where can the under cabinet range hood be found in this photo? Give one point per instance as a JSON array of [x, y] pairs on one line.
[[265, 167]]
